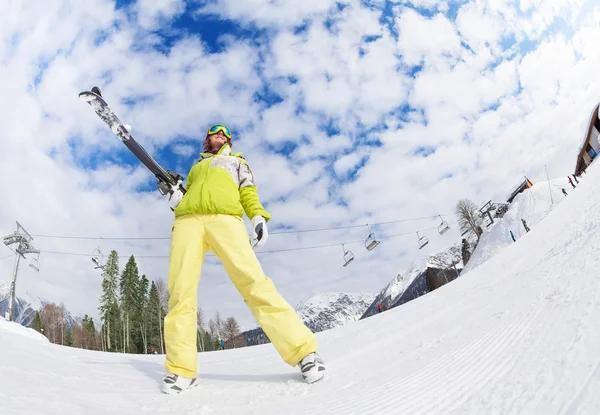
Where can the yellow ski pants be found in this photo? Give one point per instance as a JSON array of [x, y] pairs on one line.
[[225, 235]]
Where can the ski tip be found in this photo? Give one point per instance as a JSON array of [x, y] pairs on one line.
[[92, 95], [86, 96], [96, 90]]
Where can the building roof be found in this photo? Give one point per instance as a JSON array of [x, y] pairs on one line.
[[518, 188], [586, 136]]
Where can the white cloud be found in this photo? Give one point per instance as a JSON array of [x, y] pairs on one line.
[[430, 39], [278, 13], [152, 13], [343, 165], [480, 28]]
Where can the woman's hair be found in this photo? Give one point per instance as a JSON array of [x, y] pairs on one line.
[[206, 146]]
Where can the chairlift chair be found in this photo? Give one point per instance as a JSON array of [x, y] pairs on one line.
[[35, 263], [422, 240], [348, 256], [96, 258], [443, 227], [370, 242]]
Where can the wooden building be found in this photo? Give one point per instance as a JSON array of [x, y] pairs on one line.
[[590, 147], [520, 188]]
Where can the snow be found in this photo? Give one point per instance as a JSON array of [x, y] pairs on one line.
[[4, 290], [533, 205], [18, 329], [516, 335]]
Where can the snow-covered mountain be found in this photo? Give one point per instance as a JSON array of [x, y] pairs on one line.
[[321, 312], [427, 273], [26, 305], [533, 205], [326, 311]]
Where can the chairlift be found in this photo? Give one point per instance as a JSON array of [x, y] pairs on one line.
[[370, 242], [97, 258], [35, 263], [348, 256], [443, 227], [422, 240]]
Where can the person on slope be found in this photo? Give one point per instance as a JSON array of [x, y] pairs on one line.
[[208, 217], [525, 225]]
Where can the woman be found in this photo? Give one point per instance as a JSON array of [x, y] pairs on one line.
[[208, 217]]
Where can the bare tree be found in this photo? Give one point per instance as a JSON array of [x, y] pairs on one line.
[[53, 322], [200, 331], [468, 217], [231, 330], [212, 328], [220, 323], [61, 310], [163, 293]]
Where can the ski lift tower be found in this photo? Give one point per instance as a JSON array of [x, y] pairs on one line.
[[23, 240], [485, 210]]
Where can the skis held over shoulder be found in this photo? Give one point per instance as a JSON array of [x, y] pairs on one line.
[[106, 114]]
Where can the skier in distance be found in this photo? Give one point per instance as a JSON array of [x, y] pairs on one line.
[[220, 188]]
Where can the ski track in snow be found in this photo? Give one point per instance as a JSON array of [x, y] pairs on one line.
[[516, 335]]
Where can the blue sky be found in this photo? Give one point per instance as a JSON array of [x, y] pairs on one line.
[[369, 112]]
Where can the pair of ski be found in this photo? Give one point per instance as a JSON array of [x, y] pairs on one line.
[[107, 115]]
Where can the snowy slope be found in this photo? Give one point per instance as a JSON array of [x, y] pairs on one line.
[[13, 328], [517, 335], [533, 205], [326, 311]]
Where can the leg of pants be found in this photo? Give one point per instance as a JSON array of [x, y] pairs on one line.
[[228, 239], [188, 248]]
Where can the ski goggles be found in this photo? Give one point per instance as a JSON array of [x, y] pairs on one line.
[[220, 127]]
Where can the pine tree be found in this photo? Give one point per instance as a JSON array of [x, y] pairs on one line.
[[89, 329], [109, 301], [129, 289], [70, 339], [37, 322], [155, 318]]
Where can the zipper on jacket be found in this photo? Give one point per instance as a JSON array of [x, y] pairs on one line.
[[205, 209]]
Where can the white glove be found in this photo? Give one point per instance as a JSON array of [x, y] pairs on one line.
[[259, 231], [175, 195]]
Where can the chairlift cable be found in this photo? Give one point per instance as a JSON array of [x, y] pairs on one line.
[[258, 253], [270, 233]]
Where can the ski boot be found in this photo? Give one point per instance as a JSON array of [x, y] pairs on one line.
[[175, 384], [312, 368]]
